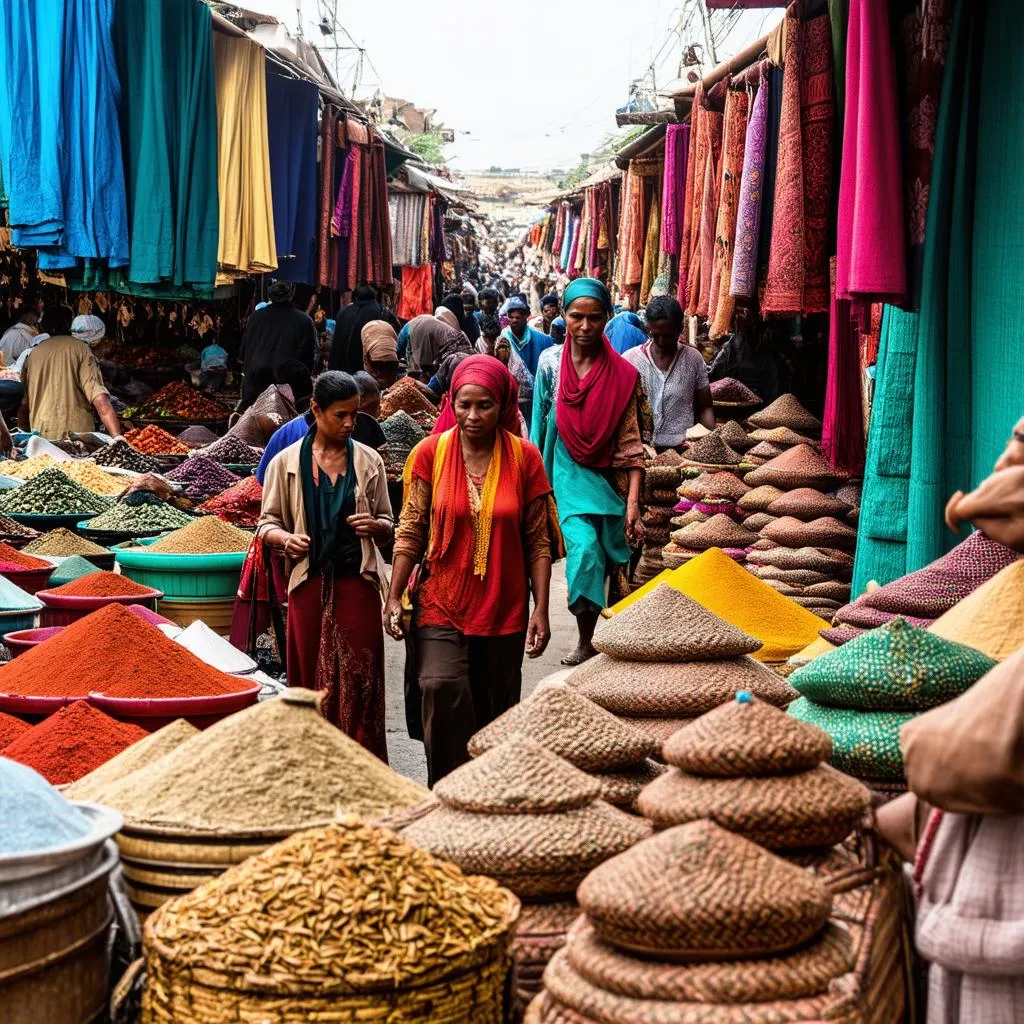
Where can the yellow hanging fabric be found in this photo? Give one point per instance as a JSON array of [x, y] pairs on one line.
[[247, 242]]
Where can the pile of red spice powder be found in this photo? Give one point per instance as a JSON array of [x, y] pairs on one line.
[[239, 504], [73, 742], [12, 560], [117, 653], [10, 729], [101, 584]]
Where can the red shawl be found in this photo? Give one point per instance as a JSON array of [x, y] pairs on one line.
[[589, 410], [492, 375]]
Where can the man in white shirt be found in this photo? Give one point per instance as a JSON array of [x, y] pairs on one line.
[[19, 337], [674, 376]]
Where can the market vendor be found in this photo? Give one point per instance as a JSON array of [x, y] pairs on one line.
[[64, 389], [588, 410], [674, 376], [326, 506]]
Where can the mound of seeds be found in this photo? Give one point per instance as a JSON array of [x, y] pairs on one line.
[[197, 437], [93, 478], [344, 908], [202, 478], [122, 455], [26, 469], [206, 536], [402, 430], [139, 513], [230, 449], [12, 528], [61, 543], [53, 493], [275, 767]]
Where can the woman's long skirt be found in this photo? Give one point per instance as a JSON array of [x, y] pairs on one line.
[[336, 644]]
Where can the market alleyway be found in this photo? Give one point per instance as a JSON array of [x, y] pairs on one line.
[[406, 755]]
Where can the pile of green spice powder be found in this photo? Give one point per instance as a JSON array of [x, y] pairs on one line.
[[52, 493], [140, 512]]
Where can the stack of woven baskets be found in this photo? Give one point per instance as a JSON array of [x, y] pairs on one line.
[[922, 596], [615, 753], [534, 823], [701, 499], [863, 692], [757, 772], [697, 924], [732, 397], [660, 482], [345, 924], [666, 660]]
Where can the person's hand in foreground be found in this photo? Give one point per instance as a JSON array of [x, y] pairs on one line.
[[996, 508]]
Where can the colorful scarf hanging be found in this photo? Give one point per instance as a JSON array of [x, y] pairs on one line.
[[713, 125], [631, 239], [748, 219], [817, 126], [694, 155], [737, 105], [783, 292], [677, 140], [842, 434], [870, 233], [651, 246]]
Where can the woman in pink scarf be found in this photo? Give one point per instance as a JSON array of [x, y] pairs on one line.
[[587, 414]]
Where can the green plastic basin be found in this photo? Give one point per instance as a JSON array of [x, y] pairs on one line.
[[193, 577]]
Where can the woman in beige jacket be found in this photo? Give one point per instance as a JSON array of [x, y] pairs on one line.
[[325, 503]]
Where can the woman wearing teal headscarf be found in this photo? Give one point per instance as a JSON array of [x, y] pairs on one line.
[[588, 412]]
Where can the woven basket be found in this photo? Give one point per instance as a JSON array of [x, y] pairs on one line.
[[794, 577], [805, 503], [653, 899], [839, 635], [670, 457], [176, 996], [658, 535], [799, 466], [781, 437], [806, 972], [657, 515], [713, 485], [673, 556], [785, 589], [819, 602], [622, 788], [732, 392], [759, 499], [747, 737], [674, 689], [819, 807], [571, 726], [542, 932], [931, 591], [693, 515], [786, 411], [825, 614], [865, 744], [734, 436], [667, 626], [764, 451], [534, 855], [517, 777], [804, 558], [893, 668], [831, 591], [826, 532], [649, 566], [659, 729], [865, 617], [660, 495], [718, 532]]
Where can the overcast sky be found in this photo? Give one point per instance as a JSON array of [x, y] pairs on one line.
[[532, 84]]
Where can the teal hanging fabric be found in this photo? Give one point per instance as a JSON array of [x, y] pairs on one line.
[[164, 53], [950, 380]]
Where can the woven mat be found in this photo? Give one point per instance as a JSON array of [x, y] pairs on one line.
[[819, 807]]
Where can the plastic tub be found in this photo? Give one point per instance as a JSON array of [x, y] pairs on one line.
[[34, 709], [196, 577], [29, 580], [108, 538], [46, 523], [153, 714], [62, 610], [23, 640]]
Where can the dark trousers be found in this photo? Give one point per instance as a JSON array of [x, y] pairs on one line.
[[465, 683]]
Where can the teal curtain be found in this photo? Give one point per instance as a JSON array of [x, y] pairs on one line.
[[950, 379]]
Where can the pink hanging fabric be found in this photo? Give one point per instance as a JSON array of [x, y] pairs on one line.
[[842, 432], [870, 235], [673, 189], [748, 223]]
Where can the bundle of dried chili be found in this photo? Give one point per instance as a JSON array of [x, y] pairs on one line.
[[73, 742], [114, 652]]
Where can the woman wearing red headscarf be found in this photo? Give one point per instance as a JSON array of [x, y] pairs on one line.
[[480, 527], [589, 419]]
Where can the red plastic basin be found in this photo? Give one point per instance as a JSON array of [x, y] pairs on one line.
[[30, 580], [63, 609], [24, 639], [34, 709], [154, 713]]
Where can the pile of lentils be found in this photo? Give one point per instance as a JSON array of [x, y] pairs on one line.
[[12, 528], [202, 478], [61, 543], [197, 437], [402, 431], [140, 512], [52, 493], [123, 456], [230, 449]]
